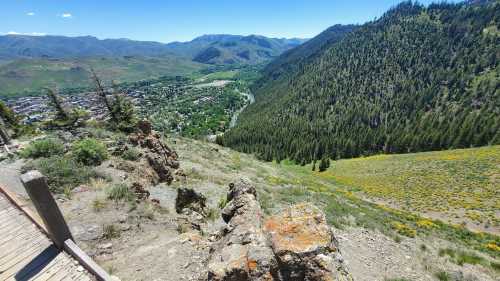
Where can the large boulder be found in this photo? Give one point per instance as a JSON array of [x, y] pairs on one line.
[[187, 198], [305, 245]]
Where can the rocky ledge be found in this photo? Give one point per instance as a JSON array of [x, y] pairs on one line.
[[160, 157], [296, 244]]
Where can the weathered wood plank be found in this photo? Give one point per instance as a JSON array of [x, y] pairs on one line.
[[86, 261], [24, 256], [17, 248], [12, 222], [30, 261], [62, 273], [26, 253], [24, 235], [7, 213], [59, 264], [23, 206], [37, 272]]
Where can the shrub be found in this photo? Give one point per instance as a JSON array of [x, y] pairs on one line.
[[131, 154], [123, 114], [213, 214], [222, 202], [98, 205], [62, 172], [90, 152], [461, 257], [110, 231], [404, 229], [426, 224], [46, 147], [495, 266], [120, 192], [443, 276], [98, 133]]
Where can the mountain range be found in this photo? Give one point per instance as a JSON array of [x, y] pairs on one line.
[[29, 63], [208, 49]]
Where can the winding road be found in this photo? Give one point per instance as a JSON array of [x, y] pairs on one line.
[[251, 99]]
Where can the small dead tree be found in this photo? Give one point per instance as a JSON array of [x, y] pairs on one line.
[[121, 109], [102, 94], [55, 100]]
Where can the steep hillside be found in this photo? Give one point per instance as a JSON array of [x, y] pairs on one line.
[[291, 60], [419, 78]]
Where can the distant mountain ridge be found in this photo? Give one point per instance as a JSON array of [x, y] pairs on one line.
[[210, 49], [24, 46]]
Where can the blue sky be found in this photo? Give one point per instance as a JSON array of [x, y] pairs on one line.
[[182, 20]]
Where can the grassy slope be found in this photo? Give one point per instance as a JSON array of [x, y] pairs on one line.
[[32, 75], [285, 183], [451, 184]]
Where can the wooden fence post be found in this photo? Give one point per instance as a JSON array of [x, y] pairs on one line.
[[38, 190], [4, 135]]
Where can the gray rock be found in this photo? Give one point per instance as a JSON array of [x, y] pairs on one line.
[[187, 198], [241, 251]]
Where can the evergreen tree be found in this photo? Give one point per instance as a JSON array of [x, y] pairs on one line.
[[324, 164]]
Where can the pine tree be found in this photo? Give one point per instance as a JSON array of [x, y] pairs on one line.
[[324, 164]]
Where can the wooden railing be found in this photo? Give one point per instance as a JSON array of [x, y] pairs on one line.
[[55, 226]]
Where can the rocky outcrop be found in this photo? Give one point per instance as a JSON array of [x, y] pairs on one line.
[[305, 246], [242, 250], [187, 198], [160, 157], [294, 245]]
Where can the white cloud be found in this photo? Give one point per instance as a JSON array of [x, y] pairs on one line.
[[29, 34], [30, 14], [66, 15]]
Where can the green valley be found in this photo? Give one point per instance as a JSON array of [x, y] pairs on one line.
[[27, 77]]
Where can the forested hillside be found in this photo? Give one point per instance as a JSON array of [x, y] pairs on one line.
[[418, 78], [293, 59]]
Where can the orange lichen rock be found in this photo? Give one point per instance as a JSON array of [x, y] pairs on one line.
[[299, 229], [304, 245], [295, 245]]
